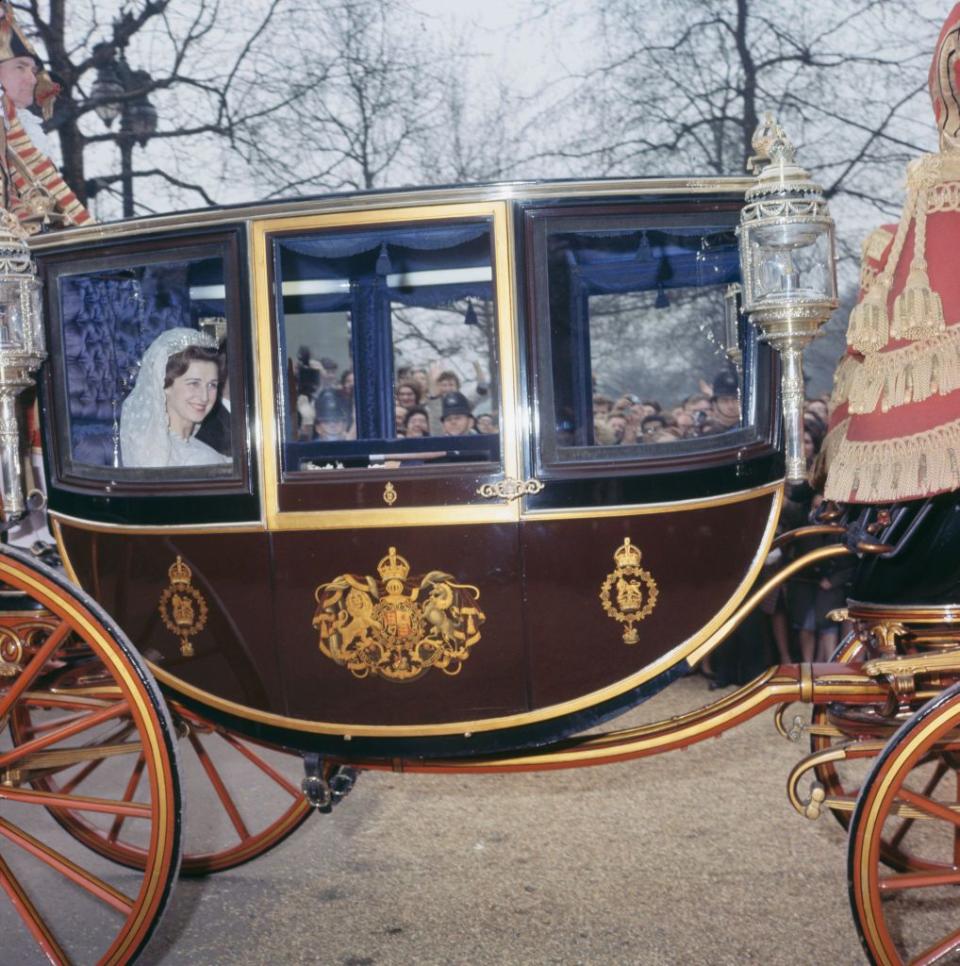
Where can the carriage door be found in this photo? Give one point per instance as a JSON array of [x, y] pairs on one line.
[[655, 442], [393, 373]]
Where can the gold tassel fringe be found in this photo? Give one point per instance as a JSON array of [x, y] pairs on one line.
[[910, 374], [831, 444], [869, 327], [918, 310], [844, 377], [896, 469]]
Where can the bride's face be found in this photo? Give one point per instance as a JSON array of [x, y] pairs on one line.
[[191, 396]]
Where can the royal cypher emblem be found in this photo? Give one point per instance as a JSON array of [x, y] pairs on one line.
[[629, 593], [182, 607], [397, 628]]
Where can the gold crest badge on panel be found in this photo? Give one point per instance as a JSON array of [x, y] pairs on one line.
[[399, 627], [629, 593], [183, 609]]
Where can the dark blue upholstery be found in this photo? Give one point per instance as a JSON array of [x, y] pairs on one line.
[[109, 320]]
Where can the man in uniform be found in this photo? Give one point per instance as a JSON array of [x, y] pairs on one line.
[[457, 416], [32, 187]]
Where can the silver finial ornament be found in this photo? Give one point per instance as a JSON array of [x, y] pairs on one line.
[[788, 264]]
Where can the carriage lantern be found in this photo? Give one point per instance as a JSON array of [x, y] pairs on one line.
[[788, 265], [22, 351]]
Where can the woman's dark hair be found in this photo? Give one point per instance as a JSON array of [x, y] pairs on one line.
[[413, 411], [179, 362], [414, 388]]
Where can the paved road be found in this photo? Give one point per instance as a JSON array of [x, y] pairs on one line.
[[692, 857]]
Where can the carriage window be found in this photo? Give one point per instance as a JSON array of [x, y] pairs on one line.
[[142, 376], [646, 349], [389, 341]]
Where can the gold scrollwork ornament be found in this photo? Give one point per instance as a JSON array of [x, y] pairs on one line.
[[11, 653], [629, 593], [183, 608], [510, 489], [397, 628]]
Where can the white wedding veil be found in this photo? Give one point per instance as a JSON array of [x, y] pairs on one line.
[[144, 425]]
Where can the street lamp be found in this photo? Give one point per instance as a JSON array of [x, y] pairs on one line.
[[22, 351], [788, 265], [121, 92]]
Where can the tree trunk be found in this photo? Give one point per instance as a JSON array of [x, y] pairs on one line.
[[749, 91], [71, 147]]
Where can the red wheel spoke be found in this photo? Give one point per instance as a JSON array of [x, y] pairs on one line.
[[75, 728], [937, 951], [45, 726], [82, 775], [264, 766], [76, 803], [46, 700], [928, 789], [30, 673], [928, 805], [86, 880], [221, 789], [128, 794], [87, 770], [28, 913], [917, 880]]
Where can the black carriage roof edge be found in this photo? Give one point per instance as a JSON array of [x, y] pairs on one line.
[[408, 196]]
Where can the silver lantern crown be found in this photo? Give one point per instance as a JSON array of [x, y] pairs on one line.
[[22, 351], [788, 264]]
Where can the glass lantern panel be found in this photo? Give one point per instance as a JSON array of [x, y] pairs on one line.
[[35, 303], [791, 262], [11, 315]]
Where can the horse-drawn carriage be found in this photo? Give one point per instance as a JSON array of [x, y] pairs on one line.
[[328, 593]]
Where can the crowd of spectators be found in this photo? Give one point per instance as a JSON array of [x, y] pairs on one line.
[[427, 401], [629, 419]]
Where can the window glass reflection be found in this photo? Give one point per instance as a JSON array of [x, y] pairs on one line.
[[389, 337], [641, 353]]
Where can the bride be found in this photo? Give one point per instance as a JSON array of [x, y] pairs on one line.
[[176, 388]]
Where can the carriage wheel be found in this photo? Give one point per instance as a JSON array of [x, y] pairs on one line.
[[912, 790], [244, 795], [845, 779], [65, 903]]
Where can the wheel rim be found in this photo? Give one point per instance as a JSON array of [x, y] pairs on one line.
[[244, 795], [912, 791], [224, 764], [50, 884]]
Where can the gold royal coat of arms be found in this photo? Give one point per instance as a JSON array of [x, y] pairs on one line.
[[397, 628]]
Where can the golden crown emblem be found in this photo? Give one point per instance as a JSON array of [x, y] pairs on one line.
[[182, 607], [179, 572], [393, 566], [627, 555]]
